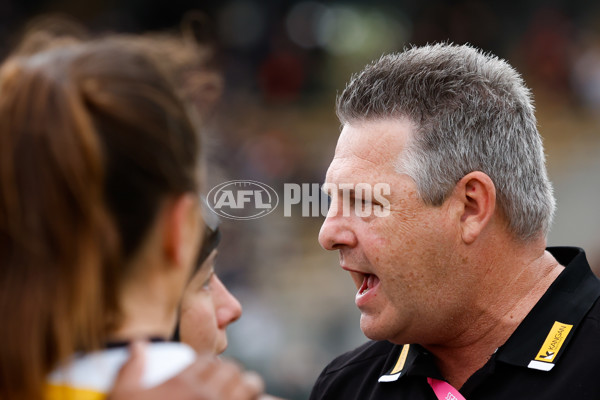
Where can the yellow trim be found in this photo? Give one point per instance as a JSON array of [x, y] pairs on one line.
[[401, 360], [64, 392], [554, 341]]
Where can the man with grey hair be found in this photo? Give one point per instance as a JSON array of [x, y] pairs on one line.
[[455, 285]]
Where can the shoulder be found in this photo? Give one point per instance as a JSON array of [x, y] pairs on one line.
[[585, 340], [367, 353], [355, 369], [165, 360], [97, 371]]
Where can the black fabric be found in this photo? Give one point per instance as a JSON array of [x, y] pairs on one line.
[[127, 343], [571, 299]]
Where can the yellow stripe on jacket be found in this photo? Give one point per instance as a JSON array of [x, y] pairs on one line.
[[63, 392]]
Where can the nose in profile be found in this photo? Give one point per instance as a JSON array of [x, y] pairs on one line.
[[228, 308], [336, 231]]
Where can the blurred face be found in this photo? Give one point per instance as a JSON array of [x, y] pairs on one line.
[[207, 308], [400, 263]]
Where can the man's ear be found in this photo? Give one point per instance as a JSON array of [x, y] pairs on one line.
[[180, 229], [476, 196]]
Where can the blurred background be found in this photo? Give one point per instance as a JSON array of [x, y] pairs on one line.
[[280, 65]]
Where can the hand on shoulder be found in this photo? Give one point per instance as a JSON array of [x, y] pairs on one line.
[[208, 378]]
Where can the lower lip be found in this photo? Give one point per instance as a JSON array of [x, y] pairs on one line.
[[362, 299]]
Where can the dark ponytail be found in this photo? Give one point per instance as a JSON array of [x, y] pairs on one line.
[[92, 139]]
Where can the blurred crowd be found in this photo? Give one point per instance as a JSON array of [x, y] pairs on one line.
[[268, 111]]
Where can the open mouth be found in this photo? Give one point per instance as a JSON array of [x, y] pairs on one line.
[[369, 282]]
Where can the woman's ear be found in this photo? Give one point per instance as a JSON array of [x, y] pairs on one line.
[[181, 231], [476, 197]]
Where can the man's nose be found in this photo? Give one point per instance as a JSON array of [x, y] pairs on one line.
[[337, 231]]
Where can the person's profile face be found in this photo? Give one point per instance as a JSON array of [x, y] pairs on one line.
[[207, 308], [396, 261]]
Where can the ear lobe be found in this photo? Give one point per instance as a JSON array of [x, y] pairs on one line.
[[477, 194], [179, 229]]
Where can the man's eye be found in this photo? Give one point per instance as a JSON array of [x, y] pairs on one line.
[[360, 200]]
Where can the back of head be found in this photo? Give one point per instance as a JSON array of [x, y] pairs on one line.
[[92, 139], [471, 112]]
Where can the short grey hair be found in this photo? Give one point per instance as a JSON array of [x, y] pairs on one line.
[[471, 112]]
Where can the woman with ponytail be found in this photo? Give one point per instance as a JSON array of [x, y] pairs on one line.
[[100, 226]]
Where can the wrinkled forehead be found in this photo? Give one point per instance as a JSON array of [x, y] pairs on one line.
[[372, 144]]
